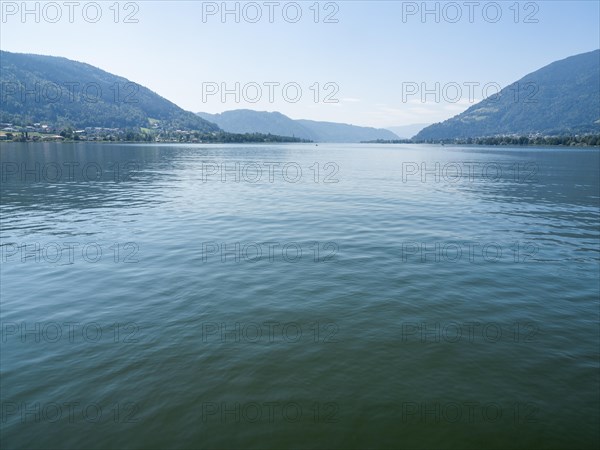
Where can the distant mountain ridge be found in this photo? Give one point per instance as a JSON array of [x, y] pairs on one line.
[[70, 93], [560, 98], [250, 121]]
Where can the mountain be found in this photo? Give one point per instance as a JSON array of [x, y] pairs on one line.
[[560, 98], [341, 132], [408, 131], [37, 88], [249, 121]]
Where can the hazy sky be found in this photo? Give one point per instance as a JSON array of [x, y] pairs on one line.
[[365, 54]]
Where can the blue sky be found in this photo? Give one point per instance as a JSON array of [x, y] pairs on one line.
[[365, 60]]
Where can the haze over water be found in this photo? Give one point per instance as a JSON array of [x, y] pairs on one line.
[[351, 301]]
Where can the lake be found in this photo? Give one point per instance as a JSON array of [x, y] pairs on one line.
[[279, 296]]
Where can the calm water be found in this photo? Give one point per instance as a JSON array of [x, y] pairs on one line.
[[366, 302]]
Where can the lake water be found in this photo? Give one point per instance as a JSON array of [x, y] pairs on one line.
[[295, 296]]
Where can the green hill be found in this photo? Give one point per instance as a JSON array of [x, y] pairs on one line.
[[36, 88], [561, 98]]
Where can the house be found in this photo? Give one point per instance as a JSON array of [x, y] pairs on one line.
[[52, 137]]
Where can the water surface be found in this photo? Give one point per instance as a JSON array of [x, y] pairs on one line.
[[364, 297]]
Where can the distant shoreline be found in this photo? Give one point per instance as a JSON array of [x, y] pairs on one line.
[[152, 142], [588, 140], [453, 144], [220, 138]]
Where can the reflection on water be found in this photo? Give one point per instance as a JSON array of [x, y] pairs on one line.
[[370, 296]]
